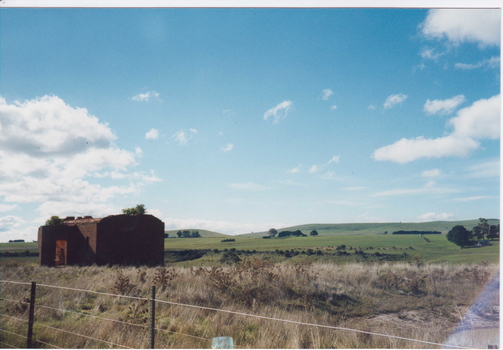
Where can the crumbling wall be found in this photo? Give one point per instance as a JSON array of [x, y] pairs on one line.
[[115, 239]]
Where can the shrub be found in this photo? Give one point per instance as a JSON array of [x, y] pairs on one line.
[[138, 210], [54, 221]]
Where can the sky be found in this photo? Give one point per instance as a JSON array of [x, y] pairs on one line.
[[238, 120]]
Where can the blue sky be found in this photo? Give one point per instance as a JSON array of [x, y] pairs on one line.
[[239, 120]]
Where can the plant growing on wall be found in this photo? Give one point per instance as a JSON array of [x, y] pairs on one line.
[[138, 210], [54, 221]]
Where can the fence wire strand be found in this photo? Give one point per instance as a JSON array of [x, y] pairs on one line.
[[92, 316], [51, 345], [19, 335], [187, 335], [9, 345], [81, 335], [15, 318], [247, 315]]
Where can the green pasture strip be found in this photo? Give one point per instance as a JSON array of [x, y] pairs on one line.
[[7, 247], [437, 250]]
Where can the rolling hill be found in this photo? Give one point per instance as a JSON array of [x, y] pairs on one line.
[[203, 233], [376, 228]]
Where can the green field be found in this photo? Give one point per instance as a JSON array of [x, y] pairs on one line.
[[366, 236]]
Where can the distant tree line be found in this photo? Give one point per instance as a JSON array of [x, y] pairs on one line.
[[18, 254], [188, 234], [401, 232], [228, 240], [16, 241], [298, 233], [462, 237]]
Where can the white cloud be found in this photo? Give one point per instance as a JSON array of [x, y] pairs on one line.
[[430, 54], [326, 94], [334, 159], [314, 169], [393, 100], [371, 107], [443, 106], [10, 222], [181, 137], [329, 175], [481, 26], [356, 188], [493, 62], [485, 169], [46, 127], [479, 121], [334, 107], [193, 131], [407, 150], [52, 153], [71, 208], [430, 183], [250, 186], [435, 217], [431, 173], [415, 191], [279, 112], [470, 199], [6, 207], [153, 134], [228, 148], [145, 97], [294, 170]]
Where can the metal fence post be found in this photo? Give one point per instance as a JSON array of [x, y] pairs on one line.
[[152, 318], [31, 315]]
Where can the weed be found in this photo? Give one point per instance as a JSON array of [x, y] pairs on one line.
[[163, 277], [123, 285]]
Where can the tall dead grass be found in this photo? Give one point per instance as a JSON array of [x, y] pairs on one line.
[[428, 301]]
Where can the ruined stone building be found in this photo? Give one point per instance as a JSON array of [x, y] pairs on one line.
[[115, 239]]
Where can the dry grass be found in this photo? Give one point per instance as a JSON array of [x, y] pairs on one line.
[[427, 301]]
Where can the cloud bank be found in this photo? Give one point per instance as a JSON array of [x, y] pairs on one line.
[[52, 153], [479, 121], [481, 26]]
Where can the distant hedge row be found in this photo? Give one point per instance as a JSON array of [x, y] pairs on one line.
[[18, 254], [417, 233]]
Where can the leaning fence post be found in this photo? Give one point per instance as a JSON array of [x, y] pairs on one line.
[[152, 318], [31, 315]]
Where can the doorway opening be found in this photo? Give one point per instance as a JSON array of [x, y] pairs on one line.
[[61, 252]]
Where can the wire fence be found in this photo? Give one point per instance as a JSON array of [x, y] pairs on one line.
[[37, 323]]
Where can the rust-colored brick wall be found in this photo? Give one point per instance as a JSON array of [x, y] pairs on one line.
[[115, 239]]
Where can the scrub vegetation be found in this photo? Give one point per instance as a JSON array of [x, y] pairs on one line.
[[402, 285], [416, 301]]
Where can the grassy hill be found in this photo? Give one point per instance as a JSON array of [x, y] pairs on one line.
[[376, 228], [203, 233]]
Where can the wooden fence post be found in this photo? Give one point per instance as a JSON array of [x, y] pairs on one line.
[[152, 318], [31, 315]]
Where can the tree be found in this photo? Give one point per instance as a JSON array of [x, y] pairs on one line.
[[313, 233], [273, 232], [138, 210], [460, 235], [54, 221], [494, 232], [482, 229]]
